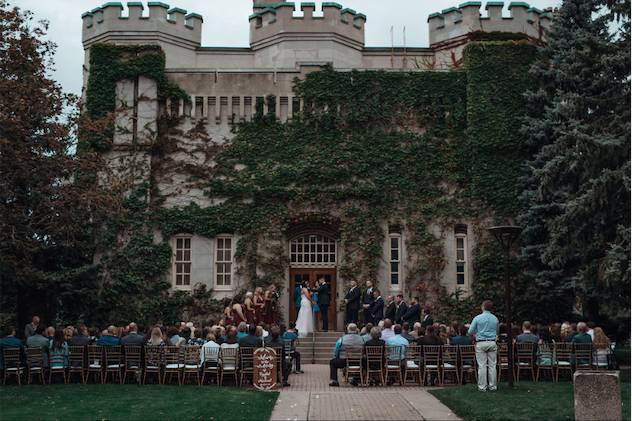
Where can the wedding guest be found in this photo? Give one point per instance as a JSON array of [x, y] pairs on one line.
[[37, 339], [291, 335], [231, 338], [485, 328], [156, 338], [29, 329], [461, 338], [242, 330], [351, 339], [396, 346], [406, 334], [209, 352], [526, 336], [418, 330], [82, 338], [58, 351], [8, 341], [197, 338], [603, 352], [387, 332], [252, 340], [108, 337], [582, 336], [133, 337], [274, 341], [367, 329]]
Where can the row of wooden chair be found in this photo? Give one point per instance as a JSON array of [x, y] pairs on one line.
[[118, 362]]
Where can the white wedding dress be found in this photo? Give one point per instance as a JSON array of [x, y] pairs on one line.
[[305, 320]]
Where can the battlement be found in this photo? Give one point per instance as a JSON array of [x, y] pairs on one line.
[[271, 22], [455, 22], [108, 22]]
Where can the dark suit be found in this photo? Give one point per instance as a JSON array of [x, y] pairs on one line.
[[399, 313], [324, 295], [412, 314], [377, 310], [427, 320], [367, 298], [353, 305], [133, 339], [390, 312]]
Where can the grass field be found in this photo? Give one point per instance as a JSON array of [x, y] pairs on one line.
[[132, 402], [527, 401]]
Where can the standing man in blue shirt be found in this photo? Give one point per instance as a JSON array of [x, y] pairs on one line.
[[485, 329]]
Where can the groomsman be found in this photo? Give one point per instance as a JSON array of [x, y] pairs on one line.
[[367, 300], [352, 300], [401, 308], [413, 313], [390, 309], [377, 307], [323, 302], [427, 320]]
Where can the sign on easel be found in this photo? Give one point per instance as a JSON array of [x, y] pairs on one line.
[[264, 368]]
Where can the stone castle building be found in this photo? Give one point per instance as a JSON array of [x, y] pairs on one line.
[[287, 41]]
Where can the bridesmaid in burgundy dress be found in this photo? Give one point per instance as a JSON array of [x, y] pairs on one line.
[[259, 304], [249, 308], [269, 317], [228, 310], [237, 313]]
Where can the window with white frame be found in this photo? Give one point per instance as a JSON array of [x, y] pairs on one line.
[[395, 260], [223, 261], [182, 263], [461, 258], [313, 250]]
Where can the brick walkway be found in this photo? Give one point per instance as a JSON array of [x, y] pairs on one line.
[[310, 398]]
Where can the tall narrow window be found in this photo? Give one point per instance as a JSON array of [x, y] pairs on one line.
[[182, 263], [461, 256], [395, 258], [223, 261]]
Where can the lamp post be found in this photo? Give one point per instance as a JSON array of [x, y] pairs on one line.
[[506, 235]]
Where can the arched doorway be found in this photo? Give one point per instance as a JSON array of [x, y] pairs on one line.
[[313, 255]]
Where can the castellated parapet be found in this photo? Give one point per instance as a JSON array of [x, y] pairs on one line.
[[456, 22], [272, 22], [108, 23]]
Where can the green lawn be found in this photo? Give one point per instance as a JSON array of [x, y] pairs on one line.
[[527, 401], [133, 402]]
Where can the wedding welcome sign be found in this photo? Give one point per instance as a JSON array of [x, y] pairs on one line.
[[265, 368]]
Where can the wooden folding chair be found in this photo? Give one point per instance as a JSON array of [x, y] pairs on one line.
[[583, 356], [354, 363], [413, 363], [57, 365], [77, 362], [12, 364], [133, 361], [228, 363], [211, 363], [113, 362], [280, 362], [95, 361], [192, 364], [503, 360], [431, 361], [375, 363], [545, 360], [35, 363], [246, 364], [395, 355], [467, 362], [524, 359], [154, 360], [450, 362], [563, 358], [173, 364]]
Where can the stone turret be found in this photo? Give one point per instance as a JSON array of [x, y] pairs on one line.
[[274, 22], [456, 22], [107, 23]]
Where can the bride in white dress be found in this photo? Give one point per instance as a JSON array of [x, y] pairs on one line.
[[305, 320]]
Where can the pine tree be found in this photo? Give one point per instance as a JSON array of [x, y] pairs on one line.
[[576, 215]]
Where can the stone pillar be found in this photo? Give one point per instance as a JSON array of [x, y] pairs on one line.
[[124, 113], [147, 109], [597, 395]]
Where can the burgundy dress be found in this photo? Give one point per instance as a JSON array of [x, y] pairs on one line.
[[236, 317], [250, 314]]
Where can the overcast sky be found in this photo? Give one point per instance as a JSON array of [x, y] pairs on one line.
[[226, 24]]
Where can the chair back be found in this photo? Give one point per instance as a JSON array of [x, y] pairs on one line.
[[395, 352], [288, 347], [34, 357], [525, 351], [56, 359], [229, 357], [192, 355], [172, 355], [95, 354], [563, 352], [113, 355], [467, 354], [77, 356], [354, 356], [583, 356], [503, 354], [432, 354], [12, 357], [246, 358], [154, 356], [450, 355], [133, 356], [413, 353], [211, 355]]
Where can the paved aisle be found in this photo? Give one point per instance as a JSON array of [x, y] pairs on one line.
[[311, 398]]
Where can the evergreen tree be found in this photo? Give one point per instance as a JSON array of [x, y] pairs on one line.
[[576, 215]]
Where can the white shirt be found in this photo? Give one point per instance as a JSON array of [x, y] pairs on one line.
[[208, 346]]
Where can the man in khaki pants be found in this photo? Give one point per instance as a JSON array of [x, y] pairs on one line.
[[485, 329]]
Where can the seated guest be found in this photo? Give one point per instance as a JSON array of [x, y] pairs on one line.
[[197, 338], [252, 340], [81, 338], [108, 337], [351, 339], [406, 333], [397, 353], [50, 332], [173, 335], [582, 336], [556, 332], [291, 335], [38, 340], [185, 335], [210, 349], [544, 355], [94, 335], [430, 338], [526, 336], [8, 341], [69, 332], [242, 330], [156, 338], [367, 334], [503, 335], [602, 348], [591, 329], [133, 337], [418, 330], [274, 340], [29, 329], [58, 351], [461, 338], [231, 338], [443, 334], [375, 340], [387, 332]]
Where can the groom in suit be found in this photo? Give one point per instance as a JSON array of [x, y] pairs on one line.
[[352, 299], [323, 301]]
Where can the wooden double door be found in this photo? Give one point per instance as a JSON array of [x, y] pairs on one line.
[[311, 276]]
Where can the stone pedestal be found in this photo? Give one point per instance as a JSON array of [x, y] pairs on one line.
[[597, 395]]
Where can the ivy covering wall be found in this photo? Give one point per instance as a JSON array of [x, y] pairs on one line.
[[424, 150]]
